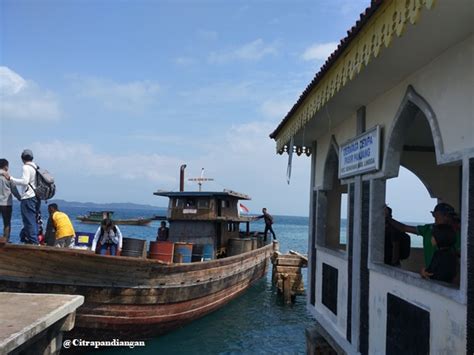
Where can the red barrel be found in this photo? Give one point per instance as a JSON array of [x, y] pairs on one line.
[[162, 251]]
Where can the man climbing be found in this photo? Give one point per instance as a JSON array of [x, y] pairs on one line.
[[268, 219]]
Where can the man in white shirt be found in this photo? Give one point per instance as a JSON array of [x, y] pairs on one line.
[[30, 205]]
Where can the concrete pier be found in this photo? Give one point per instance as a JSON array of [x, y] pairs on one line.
[[33, 323]]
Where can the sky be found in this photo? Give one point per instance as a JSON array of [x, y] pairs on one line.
[[113, 96]]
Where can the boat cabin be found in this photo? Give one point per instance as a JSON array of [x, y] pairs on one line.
[[204, 217]]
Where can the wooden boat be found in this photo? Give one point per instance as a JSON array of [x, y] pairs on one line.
[[130, 298], [140, 298], [96, 217]]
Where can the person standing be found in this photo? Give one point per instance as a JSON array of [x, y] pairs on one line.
[[30, 205], [443, 266], [61, 226], [268, 219], [7, 189], [163, 232], [393, 241]]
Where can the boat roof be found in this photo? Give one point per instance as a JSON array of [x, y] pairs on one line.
[[225, 193]]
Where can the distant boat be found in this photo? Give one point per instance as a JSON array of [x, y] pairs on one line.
[[95, 217]]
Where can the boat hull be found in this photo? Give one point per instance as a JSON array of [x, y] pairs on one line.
[[130, 298]]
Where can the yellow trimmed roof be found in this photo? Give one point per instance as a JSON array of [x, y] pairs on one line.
[[372, 33]]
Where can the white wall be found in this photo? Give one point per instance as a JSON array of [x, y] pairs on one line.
[[446, 84], [339, 321], [447, 318]]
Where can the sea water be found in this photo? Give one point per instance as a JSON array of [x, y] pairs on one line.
[[258, 322]]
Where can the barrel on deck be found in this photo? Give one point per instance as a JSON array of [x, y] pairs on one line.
[[162, 250], [254, 243], [133, 247], [197, 252], [208, 252], [203, 252], [183, 252], [239, 245]]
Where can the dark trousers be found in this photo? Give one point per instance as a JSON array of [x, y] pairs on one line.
[[29, 209], [112, 246], [6, 212], [268, 227]]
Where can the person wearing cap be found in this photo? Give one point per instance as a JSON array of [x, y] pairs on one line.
[[30, 205], [7, 189], [442, 214], [443, 266]]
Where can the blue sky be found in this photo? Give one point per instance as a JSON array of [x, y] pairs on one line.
[[113, 96]]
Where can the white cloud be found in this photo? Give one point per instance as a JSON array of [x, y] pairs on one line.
[[243, 159], [10, 82], [251, 165], [130, 96], [22, 99], [252, 51], [319, 51], [275, 108], [78, 158]]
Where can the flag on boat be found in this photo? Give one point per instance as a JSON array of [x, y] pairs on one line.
[[243, 209]]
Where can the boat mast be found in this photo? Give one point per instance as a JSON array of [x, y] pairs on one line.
[[201, 179]]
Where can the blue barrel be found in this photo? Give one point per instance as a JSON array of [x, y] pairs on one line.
[[208, 252], [197, 252], [183, 252], [83, 240]]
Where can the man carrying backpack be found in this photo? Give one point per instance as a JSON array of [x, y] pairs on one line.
[[30, 205]]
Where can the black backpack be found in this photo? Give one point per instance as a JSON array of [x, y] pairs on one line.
[[405, 246], [45, 187]]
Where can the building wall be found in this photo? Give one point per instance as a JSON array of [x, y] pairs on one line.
[[339, 321], [446, 84], [342, 133], [447, 318]]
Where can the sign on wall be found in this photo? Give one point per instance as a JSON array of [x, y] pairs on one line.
[[361, 154]]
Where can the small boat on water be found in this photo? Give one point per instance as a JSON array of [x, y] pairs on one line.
[[95, 217], [142, 297]]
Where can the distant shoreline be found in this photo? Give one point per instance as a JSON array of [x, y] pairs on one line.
[[104, 206]]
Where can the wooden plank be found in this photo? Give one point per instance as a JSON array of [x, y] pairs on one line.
[[292, 269]]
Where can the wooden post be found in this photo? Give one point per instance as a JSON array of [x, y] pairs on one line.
[[286, 288]]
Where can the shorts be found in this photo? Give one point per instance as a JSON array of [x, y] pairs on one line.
[[6, 212], [64, 242]]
